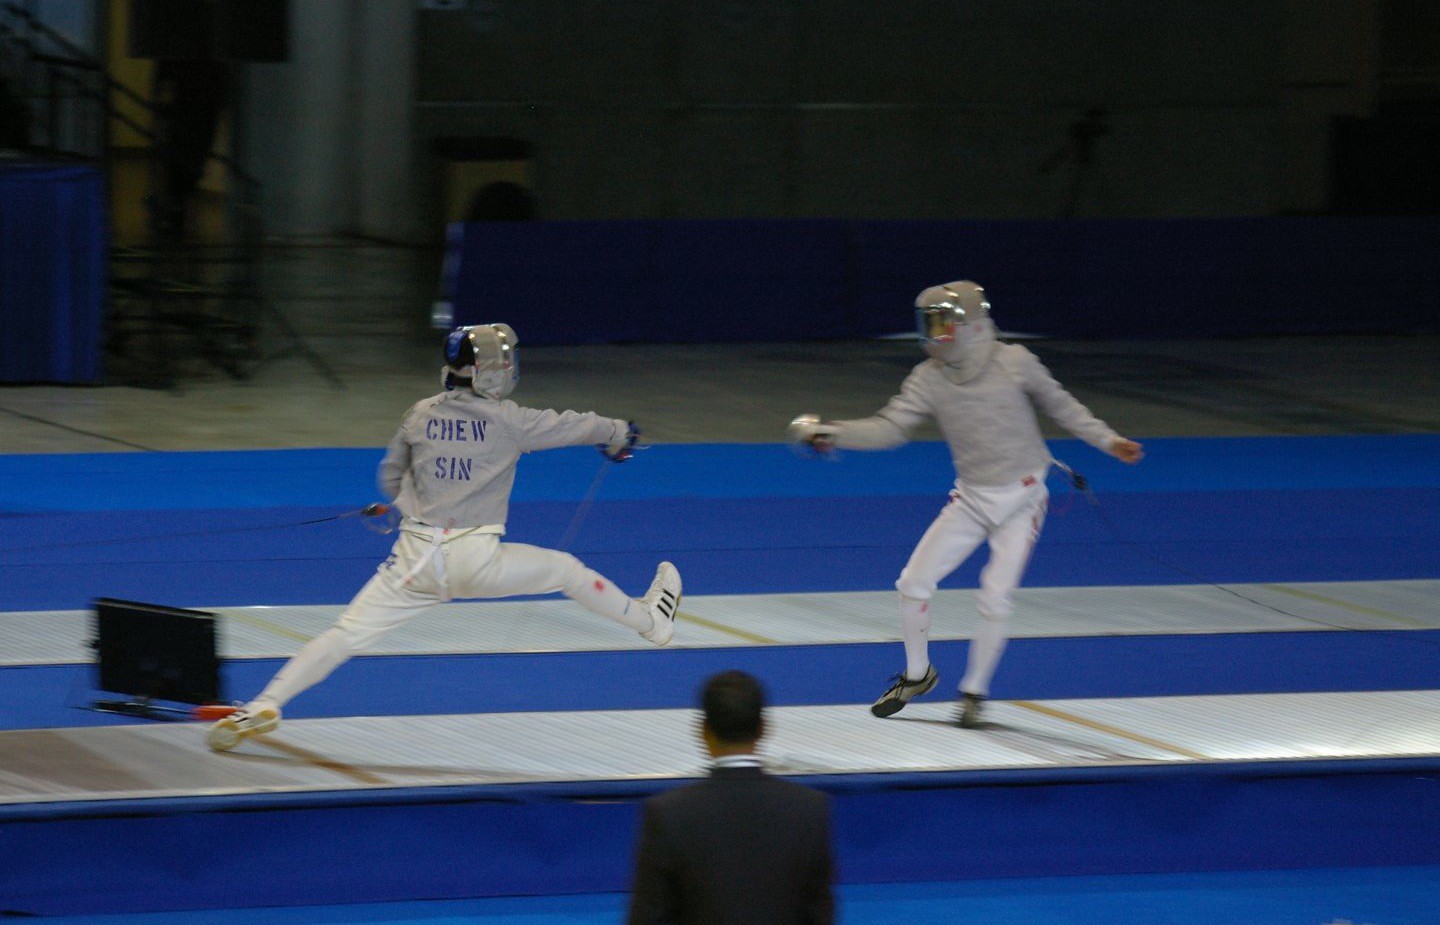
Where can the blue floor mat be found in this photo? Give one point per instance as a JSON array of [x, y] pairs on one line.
[[280, 526], [346, 477], [210, 529], [1040, 669], [218, 529], [219, 557], [1379, 895]]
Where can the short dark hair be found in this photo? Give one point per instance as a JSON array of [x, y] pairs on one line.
[[733, 702]]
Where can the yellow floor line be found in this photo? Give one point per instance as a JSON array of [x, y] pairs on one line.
[[1347, 605], [317, 761], [1112, 730], [288, 633], [730, 630], [269, 626]]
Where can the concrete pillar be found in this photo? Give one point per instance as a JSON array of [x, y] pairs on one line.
[[328, 131]]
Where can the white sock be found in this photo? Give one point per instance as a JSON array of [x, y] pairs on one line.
[[598, 594], [985, 650], [311, 665], [915, 630]]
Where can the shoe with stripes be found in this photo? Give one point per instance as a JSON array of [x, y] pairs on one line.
[[902, 690], [663, 602], [228, 732]]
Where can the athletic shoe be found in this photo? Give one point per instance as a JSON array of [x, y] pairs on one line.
[[902, 690], [242, 724], [663, 602], [971, 706]]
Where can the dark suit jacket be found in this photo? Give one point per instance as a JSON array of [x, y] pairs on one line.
[[739, 847]]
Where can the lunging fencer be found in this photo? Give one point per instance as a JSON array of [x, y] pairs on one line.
[[982, 394], [450, 469]]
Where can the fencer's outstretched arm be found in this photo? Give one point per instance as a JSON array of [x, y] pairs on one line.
[[887, 428], [547, 429], [1067, 411]]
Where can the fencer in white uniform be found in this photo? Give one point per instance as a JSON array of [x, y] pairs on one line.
[[450, 469], [982, 394]]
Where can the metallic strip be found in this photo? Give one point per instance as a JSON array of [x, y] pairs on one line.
[[1347, 605], [325, 764], [722, 628], [267, 625], [1112, 730]]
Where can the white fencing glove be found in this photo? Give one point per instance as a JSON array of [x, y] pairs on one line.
[[808, 432]]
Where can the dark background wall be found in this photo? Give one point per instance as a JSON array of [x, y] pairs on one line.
[[907, 109], [392, 114], [935, 112]]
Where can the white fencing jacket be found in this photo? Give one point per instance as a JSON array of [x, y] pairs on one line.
[[451, 464], [989, 421]]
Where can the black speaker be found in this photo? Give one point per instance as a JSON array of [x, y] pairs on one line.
[[1386, 165], [177, 30], [210, 30], [150, 652], [252, 30]]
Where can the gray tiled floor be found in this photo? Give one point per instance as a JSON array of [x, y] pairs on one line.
[[715, 621], [384, 752], [365, 351]]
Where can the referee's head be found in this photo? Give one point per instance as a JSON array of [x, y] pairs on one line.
[[733, 704]]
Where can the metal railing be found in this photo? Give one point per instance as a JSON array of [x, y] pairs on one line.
[[173, 295], [70, 99]]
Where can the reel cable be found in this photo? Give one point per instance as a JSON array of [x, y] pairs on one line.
[[375, 509]]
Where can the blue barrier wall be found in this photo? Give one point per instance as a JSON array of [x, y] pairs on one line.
[[52, 272], [284, 849], [699, 281]]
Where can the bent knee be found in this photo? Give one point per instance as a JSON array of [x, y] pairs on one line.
[[915, 588], [569, 573], [996, 608]]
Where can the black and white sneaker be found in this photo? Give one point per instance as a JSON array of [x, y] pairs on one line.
[[902, 690], [971, 706], [227, 733], [663, 602]]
